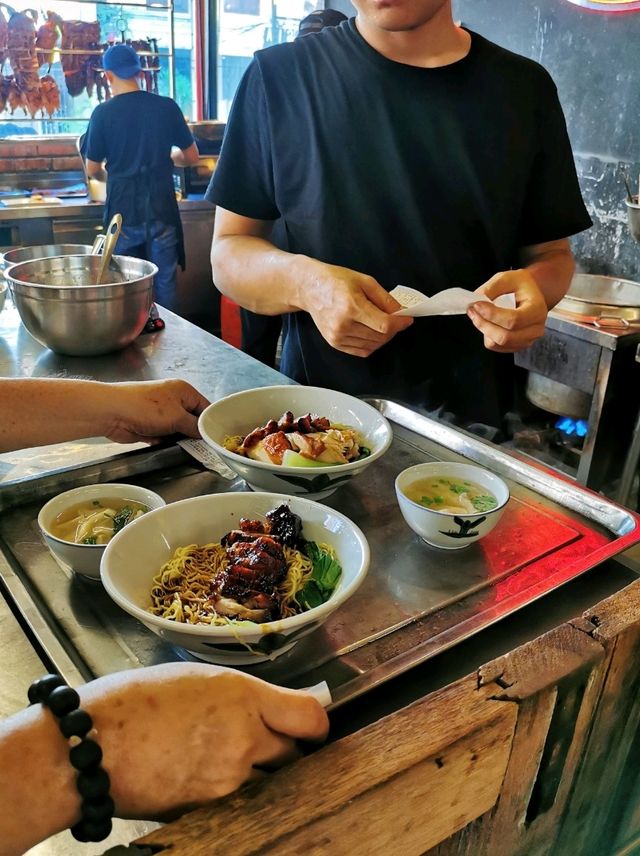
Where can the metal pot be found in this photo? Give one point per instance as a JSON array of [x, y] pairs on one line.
[[556, 397], [63, 310], [602, 299]]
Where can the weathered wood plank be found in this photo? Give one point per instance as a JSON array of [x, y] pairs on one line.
[[497, 832], [433, 741], [605, 777], [614, 615], [541, 663]]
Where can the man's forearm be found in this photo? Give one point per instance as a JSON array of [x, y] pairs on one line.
[[552, 271], [36, 412], [260, 277]]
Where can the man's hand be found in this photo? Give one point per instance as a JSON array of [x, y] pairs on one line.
[[510, 330], [149, 410], [351, 310], [179, 735]]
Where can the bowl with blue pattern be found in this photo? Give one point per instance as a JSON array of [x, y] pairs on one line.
[[239, 414]]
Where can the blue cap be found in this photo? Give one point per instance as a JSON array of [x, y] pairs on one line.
[[122, 60]]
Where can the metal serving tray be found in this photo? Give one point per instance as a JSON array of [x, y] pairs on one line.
[[416, 601]]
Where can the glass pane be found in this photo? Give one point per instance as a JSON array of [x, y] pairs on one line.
[[245, 26], [55, 88]]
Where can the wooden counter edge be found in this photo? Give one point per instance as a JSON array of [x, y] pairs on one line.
[[384, 787]]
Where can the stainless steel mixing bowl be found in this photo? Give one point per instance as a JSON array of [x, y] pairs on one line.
[[63, 310], [27, 254]]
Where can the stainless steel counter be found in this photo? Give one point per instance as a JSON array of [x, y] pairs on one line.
[[79, 207]]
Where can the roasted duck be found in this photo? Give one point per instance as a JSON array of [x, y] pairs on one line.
[[47, 38], [248, 587], [79, 67]]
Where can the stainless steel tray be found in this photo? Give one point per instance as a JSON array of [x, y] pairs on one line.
[[416, 601]]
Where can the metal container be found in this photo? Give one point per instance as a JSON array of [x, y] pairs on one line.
[[63, 310], [633, 217], [602, 298], [44, 251], [556, 397]]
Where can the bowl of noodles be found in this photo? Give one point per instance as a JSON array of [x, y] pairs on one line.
[[302, 440], [230, 578]]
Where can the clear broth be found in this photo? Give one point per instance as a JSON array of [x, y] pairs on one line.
[[453, 496], [95, 521]]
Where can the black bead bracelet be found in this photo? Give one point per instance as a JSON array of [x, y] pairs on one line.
[[85, 756]]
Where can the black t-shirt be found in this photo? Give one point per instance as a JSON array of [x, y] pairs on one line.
[[429, 178], [134, 132]]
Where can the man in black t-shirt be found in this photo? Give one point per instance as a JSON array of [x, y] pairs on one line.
[[398, 148], [136, 133]]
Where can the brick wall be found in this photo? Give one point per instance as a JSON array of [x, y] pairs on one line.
[[39, 155]]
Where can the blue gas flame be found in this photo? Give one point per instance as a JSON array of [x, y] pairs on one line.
[[571, 427]]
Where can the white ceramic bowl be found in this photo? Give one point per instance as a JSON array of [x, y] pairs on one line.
[[240, 413], [135, 555], [85, 558], [441, 528]]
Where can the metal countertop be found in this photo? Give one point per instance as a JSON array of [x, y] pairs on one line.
[[82, 207]]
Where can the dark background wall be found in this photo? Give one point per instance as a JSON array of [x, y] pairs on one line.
[[594, 59]]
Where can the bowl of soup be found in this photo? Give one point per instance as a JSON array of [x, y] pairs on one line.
[[451, 505], [78, 524]]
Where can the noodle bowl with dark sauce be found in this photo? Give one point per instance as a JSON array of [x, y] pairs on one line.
[[263, 571]]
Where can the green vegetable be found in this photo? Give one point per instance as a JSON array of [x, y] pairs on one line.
[[122, 517], [293, 459], [484, 502], [428, 500], [324, 577], [363, 452], [90, 539], [457, 488]]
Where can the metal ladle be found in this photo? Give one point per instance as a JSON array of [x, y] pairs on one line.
[[113, 233]]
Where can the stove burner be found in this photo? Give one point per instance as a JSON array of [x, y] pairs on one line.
[[572, 427]]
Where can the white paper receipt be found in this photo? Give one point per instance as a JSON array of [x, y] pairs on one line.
[[452, 301], [203, 453]]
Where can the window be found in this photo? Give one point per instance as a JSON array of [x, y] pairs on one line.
[[242, 32], [243, 7], [59, 95]]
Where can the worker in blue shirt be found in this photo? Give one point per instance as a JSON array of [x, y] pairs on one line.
[[133, 142]]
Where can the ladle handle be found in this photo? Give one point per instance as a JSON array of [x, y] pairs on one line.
[[113, 233], [98, 244]]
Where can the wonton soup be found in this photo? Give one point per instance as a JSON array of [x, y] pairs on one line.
[[95, 521], [451, 495]]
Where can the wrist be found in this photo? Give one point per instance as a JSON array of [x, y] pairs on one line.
[[38, 792], [306, 276]]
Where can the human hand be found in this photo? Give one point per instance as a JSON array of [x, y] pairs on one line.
[[510, 330], [146, 411], [179, 735], [351, 310]]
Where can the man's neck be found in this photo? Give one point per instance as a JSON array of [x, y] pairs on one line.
[[121, 87], [432, 44]]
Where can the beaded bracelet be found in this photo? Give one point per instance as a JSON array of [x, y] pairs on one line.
[[85, 755]]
